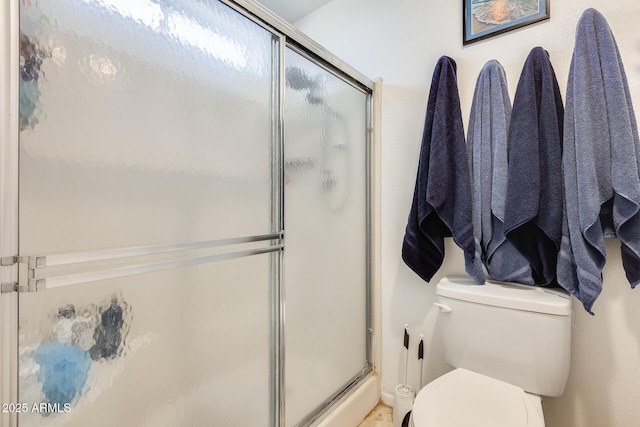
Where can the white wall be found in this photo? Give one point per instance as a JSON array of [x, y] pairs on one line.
[[401, 41]]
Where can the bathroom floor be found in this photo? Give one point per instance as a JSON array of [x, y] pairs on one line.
[[380, 416]]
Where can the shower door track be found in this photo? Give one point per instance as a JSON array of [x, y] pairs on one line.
[[337, 397], [265, 17]]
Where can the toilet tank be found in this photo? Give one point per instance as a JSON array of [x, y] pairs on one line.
[[518, 334]]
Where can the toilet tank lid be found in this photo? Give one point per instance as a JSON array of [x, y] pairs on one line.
[[508, 295]]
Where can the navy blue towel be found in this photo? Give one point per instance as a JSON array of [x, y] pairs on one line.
[[534, 202], [442, 196]]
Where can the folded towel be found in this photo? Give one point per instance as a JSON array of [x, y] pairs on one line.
[[442, 197], [533, 206], [601, 163], [487, 145]]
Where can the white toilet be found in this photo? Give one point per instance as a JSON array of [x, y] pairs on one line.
[[510, 345]]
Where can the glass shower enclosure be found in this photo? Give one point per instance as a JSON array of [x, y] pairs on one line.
[[192, 221]]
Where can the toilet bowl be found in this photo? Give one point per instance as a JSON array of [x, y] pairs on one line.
[[464, 398], [510, 345]]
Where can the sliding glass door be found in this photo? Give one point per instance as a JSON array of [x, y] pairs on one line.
[[145, 190], [326, 225], [165, 150]]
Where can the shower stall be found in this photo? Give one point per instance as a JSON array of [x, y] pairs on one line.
[[185, 217]]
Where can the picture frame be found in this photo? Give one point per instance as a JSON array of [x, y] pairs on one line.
[[487, 18]]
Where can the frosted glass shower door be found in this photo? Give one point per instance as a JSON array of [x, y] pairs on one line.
[[326, 246], [183, 347], [147, 205], [142, 122]]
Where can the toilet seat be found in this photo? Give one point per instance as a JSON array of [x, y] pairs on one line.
[[462, 398]]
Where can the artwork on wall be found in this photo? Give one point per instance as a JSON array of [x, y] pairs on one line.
[[487, 18]]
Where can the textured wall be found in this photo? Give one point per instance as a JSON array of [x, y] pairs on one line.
[[401, 42]]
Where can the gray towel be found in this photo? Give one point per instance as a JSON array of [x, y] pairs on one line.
[[442, 195], [488, 152], [601, 163], [533, 208]]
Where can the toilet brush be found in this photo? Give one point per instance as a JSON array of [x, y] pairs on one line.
[[406, 354], [407, 418], [404, 393]]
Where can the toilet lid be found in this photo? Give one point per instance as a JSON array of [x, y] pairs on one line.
[[463, 398]]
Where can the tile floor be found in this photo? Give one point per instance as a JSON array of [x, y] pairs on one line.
[[379, 417]]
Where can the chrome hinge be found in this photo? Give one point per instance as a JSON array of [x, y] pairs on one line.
[[33, 263], [33, 285], [9, 287], [6, 261]]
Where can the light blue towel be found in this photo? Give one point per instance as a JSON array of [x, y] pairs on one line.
[[488, 153], [601, 163]]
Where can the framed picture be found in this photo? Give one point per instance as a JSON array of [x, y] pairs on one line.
[[487, 18]]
